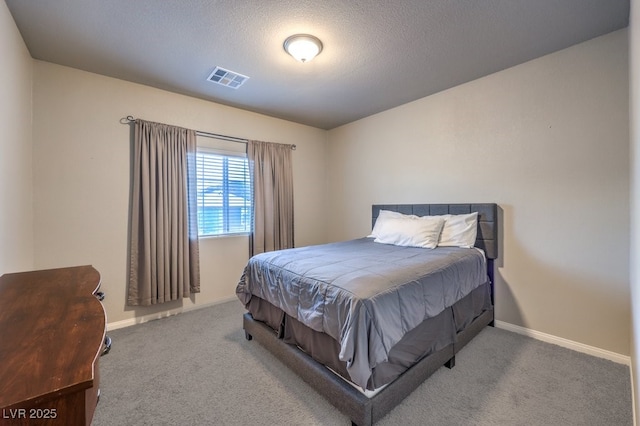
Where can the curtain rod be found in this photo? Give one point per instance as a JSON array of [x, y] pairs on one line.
[[130, 119]]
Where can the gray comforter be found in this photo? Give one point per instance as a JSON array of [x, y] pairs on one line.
[[365, 295]]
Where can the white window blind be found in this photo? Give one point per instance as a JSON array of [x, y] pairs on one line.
[[225, 199]]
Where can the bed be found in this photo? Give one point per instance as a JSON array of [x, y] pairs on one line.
[[365, 323]]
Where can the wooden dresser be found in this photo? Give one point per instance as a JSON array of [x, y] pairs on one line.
[[52, 329]]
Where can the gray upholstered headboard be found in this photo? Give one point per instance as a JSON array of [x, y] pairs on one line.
[[487, 238]]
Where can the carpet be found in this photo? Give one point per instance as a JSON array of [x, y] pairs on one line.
[[197, 368]]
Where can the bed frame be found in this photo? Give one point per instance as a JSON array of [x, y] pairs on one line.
[[362, 410]]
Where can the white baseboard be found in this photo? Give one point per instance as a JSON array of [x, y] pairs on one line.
[[565, 343], [164, 314]]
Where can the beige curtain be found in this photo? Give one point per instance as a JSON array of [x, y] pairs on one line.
[[272, 196], [163, 246]]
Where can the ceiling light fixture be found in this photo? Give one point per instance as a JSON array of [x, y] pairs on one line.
[[303, 47]]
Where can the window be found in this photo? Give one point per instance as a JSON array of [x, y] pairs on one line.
[[224, 194]]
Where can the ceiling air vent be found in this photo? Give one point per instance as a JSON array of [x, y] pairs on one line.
[[227, 78]]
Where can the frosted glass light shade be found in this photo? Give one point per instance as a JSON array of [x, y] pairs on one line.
[[303, 47]]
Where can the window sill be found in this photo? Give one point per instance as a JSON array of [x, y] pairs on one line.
[[207, 237]]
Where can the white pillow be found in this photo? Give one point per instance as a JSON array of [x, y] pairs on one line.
[[411, 231], [383, 215], [459, 230]]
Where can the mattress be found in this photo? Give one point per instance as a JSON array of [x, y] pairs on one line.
[[366, 296]]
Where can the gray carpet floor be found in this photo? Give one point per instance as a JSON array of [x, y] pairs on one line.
[[197, 369]]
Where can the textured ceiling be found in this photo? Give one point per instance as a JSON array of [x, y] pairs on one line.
[[377, 54]]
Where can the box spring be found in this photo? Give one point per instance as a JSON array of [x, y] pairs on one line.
[[431, 336]]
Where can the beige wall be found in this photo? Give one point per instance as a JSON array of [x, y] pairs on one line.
[[549, 142], [16, 184], [82, 175], [634, 50]]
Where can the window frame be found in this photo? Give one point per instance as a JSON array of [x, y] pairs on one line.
[[225, 154]]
